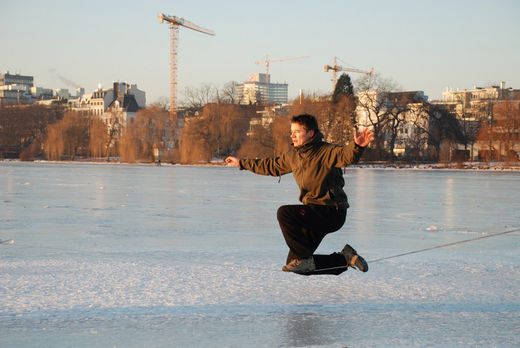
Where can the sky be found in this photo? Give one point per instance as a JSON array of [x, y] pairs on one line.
[[420, 45]]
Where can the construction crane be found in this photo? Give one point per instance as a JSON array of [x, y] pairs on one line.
[[335, 68], [175, 22], [267, 61]]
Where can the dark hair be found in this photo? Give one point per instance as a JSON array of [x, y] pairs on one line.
[[308, 121]]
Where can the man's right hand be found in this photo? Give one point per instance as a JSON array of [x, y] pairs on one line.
[[364, 138], [232, 161]]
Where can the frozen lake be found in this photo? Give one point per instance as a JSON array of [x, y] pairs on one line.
[[133, 256]]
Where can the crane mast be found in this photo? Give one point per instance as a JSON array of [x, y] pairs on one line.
[[175, 23]]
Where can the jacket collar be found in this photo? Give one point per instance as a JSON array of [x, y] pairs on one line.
[[316, 139]]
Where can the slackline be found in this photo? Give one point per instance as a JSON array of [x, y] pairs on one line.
[[430, 248]]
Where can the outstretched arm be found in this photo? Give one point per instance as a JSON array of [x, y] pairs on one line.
[[265, 166], [364, 138]]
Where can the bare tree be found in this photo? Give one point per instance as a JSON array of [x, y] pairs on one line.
[[23, 128], [218, 130], [54, 144], [129, 144], [69, 135], [193, 145], [259, 143], [508, 126], [414, 133], [148, 130], [197, 98], [439, 126], [374, 109], [501, 133], [114, 126], [342, 120], [164, 102], [281, 129], [228, 92], [402, 110], [98, 137]]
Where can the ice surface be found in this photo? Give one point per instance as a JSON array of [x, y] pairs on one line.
[[132, 256]]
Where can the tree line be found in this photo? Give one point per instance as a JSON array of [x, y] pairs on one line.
[[216, 127]]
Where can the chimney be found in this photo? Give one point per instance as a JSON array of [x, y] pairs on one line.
[[116, 89], [119, 93]]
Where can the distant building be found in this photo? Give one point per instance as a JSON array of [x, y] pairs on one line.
[[481, 93], [9, 79], [267, 115], [477, 103], [474, 106], [19, 89], [257, 90], [40, 93], [126, 101], [62, 93], [15, 89], [124, 97], [99, 101]]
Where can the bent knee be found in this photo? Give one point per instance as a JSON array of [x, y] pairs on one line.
[[282, 212], [291, 212]]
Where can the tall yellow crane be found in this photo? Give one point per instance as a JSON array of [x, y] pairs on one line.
[[175, 23], [267, 61], [335, 68]]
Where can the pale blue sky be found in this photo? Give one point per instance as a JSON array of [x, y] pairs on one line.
[[422, 45]]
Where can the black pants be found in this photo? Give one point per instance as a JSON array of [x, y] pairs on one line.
[[304, 226]]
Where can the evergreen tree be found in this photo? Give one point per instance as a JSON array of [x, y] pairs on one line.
[[343, 87]]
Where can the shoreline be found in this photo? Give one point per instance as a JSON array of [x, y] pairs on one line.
[[482, 166]]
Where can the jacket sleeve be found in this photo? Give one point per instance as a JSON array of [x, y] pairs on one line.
[[342, 156], [267, 166]]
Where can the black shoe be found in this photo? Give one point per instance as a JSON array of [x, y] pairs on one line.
[[300, 265], [353, 259]]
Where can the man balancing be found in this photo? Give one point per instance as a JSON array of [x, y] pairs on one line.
[[316, 167]]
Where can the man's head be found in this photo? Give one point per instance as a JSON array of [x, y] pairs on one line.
[[303, 128]]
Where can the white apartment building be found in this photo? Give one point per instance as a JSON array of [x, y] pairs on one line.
[[474, 106], [119, 104], [99, 101], [481, 93], [15, 89], [127, 96], [20, 89], [15, 79], [477, 103], [258, 90], [41, 93]]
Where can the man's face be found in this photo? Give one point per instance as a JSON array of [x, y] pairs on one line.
[[299, 135]]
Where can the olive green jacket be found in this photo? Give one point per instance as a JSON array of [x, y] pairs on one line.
[[316, 167]]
